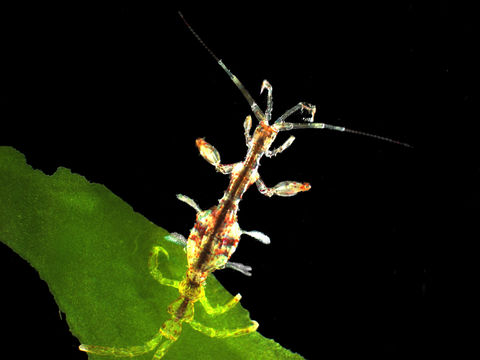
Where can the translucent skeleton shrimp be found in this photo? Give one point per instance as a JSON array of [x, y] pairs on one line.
[[216, 232]]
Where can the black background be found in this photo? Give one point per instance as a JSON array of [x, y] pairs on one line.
[[374, 260]]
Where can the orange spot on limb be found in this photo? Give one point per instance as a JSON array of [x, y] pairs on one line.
[[200, 142], [305, 187]]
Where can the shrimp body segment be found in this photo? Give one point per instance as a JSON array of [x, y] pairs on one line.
[[214, 238], [216, 233]]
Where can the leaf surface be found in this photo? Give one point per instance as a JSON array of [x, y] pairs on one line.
[[92, 250]]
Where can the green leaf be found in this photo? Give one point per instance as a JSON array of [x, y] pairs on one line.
[[92, 250]]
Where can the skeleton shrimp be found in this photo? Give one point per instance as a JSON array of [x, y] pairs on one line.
[[216, 232]]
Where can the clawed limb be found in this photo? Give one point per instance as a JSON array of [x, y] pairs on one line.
[[211, 154], [286, 144], [268, 113], [224, 333], [301, 106], [153, 268], [219, 309], [281, 125], [285, 188]]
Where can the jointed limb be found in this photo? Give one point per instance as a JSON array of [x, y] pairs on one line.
[[244, 269], [253, 105], [211, 154], [123, 352], [160, 353], [189, 202], [247, 126], [224, 333], [286, 126], [219, 309], [286, 144], [175, 238], [153, 267], [268, 113], [285, 188], [258, 236], [300, 106]]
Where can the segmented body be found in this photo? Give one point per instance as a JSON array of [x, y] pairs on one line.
[[216, 233]]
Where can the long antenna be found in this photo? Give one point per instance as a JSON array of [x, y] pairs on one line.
[[377, 137], [291, 126], [253, 105], [259, 113], [199, 38]]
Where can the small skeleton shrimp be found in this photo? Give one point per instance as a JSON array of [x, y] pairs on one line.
[[216, 233]]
